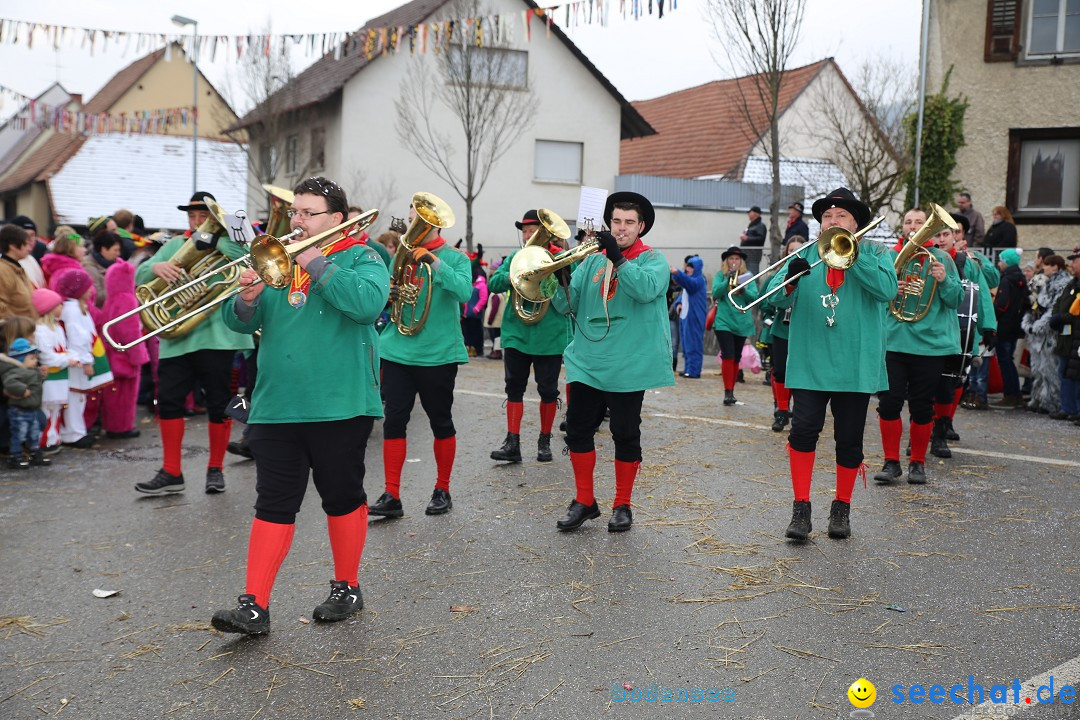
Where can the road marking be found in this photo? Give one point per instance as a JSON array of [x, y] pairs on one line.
[[1068, 673], [754, 426]]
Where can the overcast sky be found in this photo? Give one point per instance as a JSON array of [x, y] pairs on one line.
[[643, 58]]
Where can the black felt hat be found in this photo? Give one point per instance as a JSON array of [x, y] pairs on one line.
[[529, 218], [648, 214], [197, 202], [962, 221], [846, 200], [734, 250]]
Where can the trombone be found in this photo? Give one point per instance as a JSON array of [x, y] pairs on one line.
[[838, 248], [268, 256]]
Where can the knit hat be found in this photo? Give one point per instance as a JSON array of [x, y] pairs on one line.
[[21, 348], [1010, 257], [45, 300], [72, 283]]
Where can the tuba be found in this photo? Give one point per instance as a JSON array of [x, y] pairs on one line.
[[409, 277], [532, 307], [281, 201], [913, 265], [160, 307]]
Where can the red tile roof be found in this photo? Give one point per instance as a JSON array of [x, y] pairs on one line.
[[44, 161], [703, 130]]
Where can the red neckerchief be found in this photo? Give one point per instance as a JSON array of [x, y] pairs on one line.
[[363, 239], [636, 249], [952, 253], [900, 243], [301, 281], [435, 244], [834, 278]]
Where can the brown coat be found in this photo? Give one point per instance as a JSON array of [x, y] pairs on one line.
[[16, 291]]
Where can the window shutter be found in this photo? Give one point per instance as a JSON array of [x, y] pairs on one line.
[[1002, 30]]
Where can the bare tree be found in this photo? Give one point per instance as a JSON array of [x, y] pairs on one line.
[[865, 138], [368, 191], [759, 37], [485, 88]]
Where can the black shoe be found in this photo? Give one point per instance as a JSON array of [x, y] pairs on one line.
[[52, 449], [840, 520], [950, 433], [1059, 415], [741, 378], [800, 527], [387, 505], [780, 420], [240, 448], [939, 446], [249, 618], [729, 397], [916, 473], [123, 435], [907, 450], [38, 459], [18, 462], [892, 471], [576, 514], [621, 519], [543, 448], [82, 443], [215, 480], [162, 484], [440, 503], [510, 450], [342, 603]]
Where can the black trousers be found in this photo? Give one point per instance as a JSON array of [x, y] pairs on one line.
[[472, 329], [177, 376], [849, 420], [545, 370], [435, 386], [333, 452], [586, 411], [779, 359], [730, 344], [913, 378]]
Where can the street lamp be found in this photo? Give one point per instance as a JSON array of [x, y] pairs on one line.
[[182, 22]]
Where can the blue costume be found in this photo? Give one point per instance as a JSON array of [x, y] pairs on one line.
[[692, 325]]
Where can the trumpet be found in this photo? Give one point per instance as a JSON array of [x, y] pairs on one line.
[[268, 256]]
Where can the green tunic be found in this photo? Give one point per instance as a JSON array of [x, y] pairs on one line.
[[320, 362], [939, 332], [776, 329], [440, 342], [727, 316], [212, 333], [381, 250], [547, 337], [987, 320], [635, 354], [990, 271], [850, 356]]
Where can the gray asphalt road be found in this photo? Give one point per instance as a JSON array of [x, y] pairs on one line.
[[490, 612]]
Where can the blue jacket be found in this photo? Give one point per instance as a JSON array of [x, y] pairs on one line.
[[692, 327]]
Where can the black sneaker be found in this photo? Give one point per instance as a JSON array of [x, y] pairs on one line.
[[840, 520], [249, 618], [83, 443], [891, 472], [916, 473], [18, 462], [800, 526], [342, 603], [162, 484], [387, 505], [215, 480], [440, 503], [38, 459], [543, 448], [510, 450]]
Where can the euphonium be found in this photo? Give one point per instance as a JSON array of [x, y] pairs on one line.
[[408, 277], [281, 201], [913, 265], [541, 286]]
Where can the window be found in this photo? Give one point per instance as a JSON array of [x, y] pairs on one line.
[[268, 158], [496, 67], [1002, 30], [1043, 183], [557, 161], [1054, 28], [318, 148], [292, 150]]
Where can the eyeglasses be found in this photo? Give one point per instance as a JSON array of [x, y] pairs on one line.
[[306, 214]]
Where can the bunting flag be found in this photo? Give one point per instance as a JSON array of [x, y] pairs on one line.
[[33, 113], [370, 41]]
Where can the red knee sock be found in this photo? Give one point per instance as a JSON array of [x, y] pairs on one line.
[[219, 441], [891, 430], [845, 482], [445, 449], [393, 457], [584, 464], [920, 438], [514, 411], [956, 401], [941, 411], [547, 416], [267, 547], [172, 437], [625, 472], [347, 536], [782, 395], [730, 370], [802, 470]]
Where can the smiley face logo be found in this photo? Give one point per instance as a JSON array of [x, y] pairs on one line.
[[862, 693]]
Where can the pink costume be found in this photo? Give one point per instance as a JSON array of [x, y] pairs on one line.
[[120, 398]]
